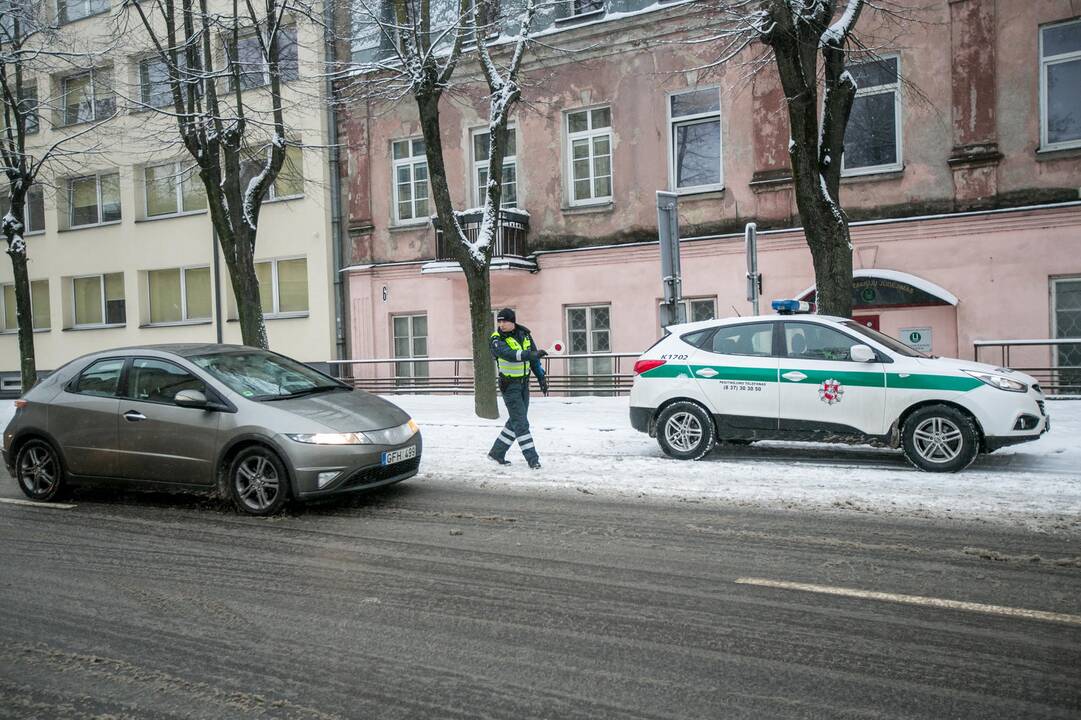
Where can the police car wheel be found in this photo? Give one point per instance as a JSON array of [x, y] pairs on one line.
[[939, 438], [685, 431]]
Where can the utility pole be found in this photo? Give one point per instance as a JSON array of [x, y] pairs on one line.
[[754, 278], [668, 231]]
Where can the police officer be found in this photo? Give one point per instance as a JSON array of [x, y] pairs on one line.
[[512, 346]]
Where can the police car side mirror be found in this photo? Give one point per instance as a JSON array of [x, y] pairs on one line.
[[862, 354]]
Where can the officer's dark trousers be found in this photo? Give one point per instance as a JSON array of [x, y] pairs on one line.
[[516, 398]]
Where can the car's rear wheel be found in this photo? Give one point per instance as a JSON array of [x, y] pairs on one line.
[[258, 482], [39, 471], [686, 431], [940, 438]]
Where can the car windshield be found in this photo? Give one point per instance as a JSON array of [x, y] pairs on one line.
[[895, 345], [259, 375]]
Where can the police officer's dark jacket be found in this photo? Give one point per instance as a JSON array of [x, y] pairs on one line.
[[515, 353]]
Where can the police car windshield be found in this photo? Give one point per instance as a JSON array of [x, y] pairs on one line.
[[895, 345]]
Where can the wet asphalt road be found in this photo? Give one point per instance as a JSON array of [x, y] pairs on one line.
[[429, 600]]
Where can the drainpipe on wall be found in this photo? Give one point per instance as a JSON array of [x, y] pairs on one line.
[[331, 54], [217, 280]]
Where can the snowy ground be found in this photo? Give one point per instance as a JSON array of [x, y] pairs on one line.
[[588, 445]]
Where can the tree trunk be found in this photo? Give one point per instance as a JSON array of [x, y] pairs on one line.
[[246, 289], [13, 233], [477, 278]]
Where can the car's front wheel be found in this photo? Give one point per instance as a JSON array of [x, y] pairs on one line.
[[940, 438], [258, 482], [686, 431], [39, 471]]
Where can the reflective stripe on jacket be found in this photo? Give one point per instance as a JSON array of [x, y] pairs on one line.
[[513, 368]]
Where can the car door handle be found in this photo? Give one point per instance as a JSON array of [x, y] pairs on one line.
[[134, 416], [707, 372], [794, 376]]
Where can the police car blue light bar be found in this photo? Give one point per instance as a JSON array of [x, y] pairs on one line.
[[792, 307]]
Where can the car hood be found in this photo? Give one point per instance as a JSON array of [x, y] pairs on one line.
[[941, 364], [346, 411]]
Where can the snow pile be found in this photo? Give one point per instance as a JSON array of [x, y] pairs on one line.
[[587, 445]]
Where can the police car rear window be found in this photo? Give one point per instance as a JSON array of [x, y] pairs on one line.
[[698, 338]]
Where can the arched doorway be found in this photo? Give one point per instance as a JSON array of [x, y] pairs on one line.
[[916, 311]]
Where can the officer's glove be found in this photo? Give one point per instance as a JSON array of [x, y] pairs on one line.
[[542, 353], [543, 382]]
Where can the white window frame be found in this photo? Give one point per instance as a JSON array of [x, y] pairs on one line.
[[184, 319], [898, 122], [411, 162], [696, 119], [478, 165], [178, 169], [3, 308], [576, 11], [104, 310], [63, 5], [283, 65], [1053, 308], [71, 201], [589, 134], [685, 303], [274, 287], [93, 74], [1045, 63], [412, 375], [27, 229], [589, 332]]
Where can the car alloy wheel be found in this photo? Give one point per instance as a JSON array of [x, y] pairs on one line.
[[38, 470], [686, 431], [259, 483], [940, 438]]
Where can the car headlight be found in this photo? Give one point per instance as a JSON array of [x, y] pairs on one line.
[[997, 381], [351, 438]]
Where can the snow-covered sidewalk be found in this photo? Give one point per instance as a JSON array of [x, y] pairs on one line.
[[587, 444]]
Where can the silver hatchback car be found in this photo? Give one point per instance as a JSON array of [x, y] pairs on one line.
[[256, 426]]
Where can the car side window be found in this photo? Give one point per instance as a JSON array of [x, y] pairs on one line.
[[159, 381], [811, 341], [697, 338], [101, 378], [750, 339]]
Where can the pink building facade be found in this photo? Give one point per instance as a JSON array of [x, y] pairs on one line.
[[964, 194]]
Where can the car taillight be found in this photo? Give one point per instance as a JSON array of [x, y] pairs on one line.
[[646, 365]]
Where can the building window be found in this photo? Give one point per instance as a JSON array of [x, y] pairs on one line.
[[1066, 314], [98, 300], [34, 213], [71, 10], [290, 180], [585, 7], [410, 166], [173, 188], [179, 295], [694, 310], [88, 97], [252, 63], [481, 147], [695, 152], [39, 306], [283, 286], [589, 138], [410, 342], [1060, 78], [155, 85], [873, 137], [94, 200], [28, 106], [589, 331]]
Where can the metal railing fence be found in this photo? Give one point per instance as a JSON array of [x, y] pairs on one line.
[[1055, 363], [606, 374]]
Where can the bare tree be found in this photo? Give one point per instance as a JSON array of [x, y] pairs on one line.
[[425, 42], [795, 33], [221, 69], [32, 46]]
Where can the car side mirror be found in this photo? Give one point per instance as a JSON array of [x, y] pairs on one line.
[[191, 399], [862, 354]]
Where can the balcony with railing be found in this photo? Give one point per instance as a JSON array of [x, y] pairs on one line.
[[511, 235]]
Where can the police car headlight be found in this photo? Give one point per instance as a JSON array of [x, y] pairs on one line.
[[997, 381], [352, 438]]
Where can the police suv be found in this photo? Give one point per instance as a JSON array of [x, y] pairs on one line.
[[798, 376]]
